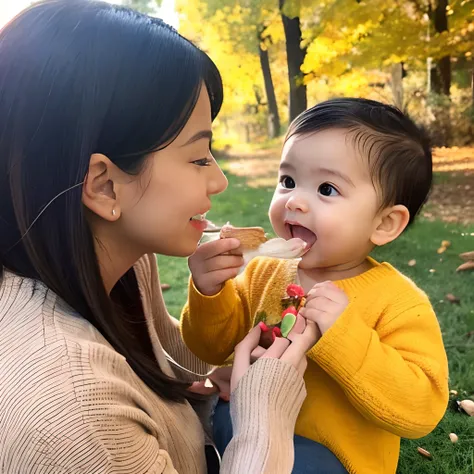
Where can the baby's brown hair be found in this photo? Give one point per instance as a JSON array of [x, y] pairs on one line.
[[398, 151]]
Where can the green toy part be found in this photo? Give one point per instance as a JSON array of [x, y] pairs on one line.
[[287, 324]]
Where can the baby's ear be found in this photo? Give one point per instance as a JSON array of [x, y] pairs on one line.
[[391, 222]]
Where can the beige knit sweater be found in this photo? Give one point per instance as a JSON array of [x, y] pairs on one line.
[[70, 404]]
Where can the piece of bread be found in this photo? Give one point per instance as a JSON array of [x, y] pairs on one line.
[[250, 237]]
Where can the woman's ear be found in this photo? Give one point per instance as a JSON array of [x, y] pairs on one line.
[[101, 189], [392, 222]]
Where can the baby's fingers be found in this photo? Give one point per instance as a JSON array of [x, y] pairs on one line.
[[327, 290], [216, 247]]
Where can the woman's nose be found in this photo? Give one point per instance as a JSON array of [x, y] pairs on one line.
[[217, 180]]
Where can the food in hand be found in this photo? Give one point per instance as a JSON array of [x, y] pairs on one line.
[[250, 237]]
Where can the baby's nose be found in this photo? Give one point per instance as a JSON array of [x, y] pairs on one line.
[[297, 203]]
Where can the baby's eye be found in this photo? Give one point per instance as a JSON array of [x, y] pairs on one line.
[[327, 189], [287, 182], [202, 162]]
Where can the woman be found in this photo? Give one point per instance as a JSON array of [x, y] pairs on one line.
[[104, 160]]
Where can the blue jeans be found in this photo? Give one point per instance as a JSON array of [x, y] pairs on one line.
[[310, 457]]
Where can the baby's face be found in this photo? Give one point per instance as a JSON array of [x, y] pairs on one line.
[[326, 197]]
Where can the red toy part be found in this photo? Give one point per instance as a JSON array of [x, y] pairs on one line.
[[294, 290], [276, 333], [290, 310], [263, 326]]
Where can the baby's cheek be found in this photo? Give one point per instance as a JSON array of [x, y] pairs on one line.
[[276, 213]]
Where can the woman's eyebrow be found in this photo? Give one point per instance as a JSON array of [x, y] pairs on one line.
[[199, 136]]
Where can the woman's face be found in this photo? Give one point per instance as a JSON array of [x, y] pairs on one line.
[[175, 185]]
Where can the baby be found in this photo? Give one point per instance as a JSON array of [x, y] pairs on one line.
[[353, 175]]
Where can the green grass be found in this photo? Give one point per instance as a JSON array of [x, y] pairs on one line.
[[245, 206]]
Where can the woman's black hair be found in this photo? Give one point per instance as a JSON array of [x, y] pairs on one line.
[[79, 77]]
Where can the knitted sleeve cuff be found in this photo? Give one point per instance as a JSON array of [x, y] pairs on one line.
[[342, 348], [217, 308], [264, 408]]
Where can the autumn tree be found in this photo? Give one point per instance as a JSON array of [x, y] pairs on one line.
[[264, 42], [295, 53], [396, 37], [262, 13]]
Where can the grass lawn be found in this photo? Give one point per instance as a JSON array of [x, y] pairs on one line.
[[433, 272]]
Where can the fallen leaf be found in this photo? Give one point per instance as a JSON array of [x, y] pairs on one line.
[[453, 437], [466, 266], [442, 249], [165, 287], [425, 453], [467, 256], [470, 334], [453, 299], [432, 270], [467, 406], [454, 393], [446, 243], [412, 263]]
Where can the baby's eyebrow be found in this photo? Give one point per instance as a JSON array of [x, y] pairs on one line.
[[287, 167], [284, 166], [337, 174]]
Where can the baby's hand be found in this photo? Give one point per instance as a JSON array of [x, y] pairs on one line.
[[324, 304], [211, 265]]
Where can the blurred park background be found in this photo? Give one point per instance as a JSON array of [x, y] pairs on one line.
[[278, 57]]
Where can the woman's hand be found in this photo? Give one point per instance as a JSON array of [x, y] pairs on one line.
[[292, 350], [218, 381], [223, 380]]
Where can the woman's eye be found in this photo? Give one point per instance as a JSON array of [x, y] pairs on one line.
[[202, 162], [327, 189], [287, 182]]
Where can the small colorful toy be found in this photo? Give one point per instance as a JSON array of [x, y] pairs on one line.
[[291, 304]]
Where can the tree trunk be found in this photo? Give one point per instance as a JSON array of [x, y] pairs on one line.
[[472, 88], [295, 56], [472, 107], [397, 84], [440, 20], [273, 116]]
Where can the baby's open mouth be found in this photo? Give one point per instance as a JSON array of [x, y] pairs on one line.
[[198, 217], [300, 232], [199, 222]]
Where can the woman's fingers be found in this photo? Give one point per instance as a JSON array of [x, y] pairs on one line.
[[242, 354], [203, 387], [298, 328], [304, 335], [257, 353], [301, 344], [277, 349]]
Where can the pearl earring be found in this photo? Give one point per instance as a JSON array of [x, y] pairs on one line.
[[113, 212]]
